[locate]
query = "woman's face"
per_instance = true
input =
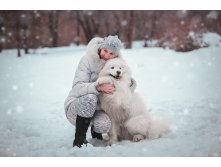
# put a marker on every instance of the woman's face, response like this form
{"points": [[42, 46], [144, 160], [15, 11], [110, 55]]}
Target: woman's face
{"points": [[106, 54]]}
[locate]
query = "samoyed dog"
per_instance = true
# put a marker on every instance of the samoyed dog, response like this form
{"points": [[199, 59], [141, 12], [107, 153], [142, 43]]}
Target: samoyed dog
{"points": [[130, 118]]}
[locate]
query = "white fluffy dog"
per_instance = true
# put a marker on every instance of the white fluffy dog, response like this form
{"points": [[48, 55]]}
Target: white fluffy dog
{"points": [[129, 116]]}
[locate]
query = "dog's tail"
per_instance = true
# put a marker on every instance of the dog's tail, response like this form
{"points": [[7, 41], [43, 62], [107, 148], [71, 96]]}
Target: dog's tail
{"points": [[158, 127]]}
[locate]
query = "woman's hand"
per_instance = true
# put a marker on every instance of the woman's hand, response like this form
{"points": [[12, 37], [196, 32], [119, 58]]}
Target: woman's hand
{"points": [[106, 88]]}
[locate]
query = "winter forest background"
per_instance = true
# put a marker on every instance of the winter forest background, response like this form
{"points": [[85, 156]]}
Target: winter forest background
{"points": [[175, 57], [176, 30]]}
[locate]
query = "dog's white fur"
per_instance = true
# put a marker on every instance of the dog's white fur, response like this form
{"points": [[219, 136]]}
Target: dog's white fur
{"points": [[129, 116]]}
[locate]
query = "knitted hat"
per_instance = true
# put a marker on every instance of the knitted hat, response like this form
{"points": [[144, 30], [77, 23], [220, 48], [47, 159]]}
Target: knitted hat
{"points": [[112, 43]]}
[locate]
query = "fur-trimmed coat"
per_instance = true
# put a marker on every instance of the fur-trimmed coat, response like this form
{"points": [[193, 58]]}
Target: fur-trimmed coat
{"points": [[87, 73]]}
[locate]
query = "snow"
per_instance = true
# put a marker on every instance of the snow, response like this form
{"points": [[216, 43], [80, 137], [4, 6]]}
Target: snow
{"points": [[205, 39], [212, 39], [212, 15], [182, 87]]}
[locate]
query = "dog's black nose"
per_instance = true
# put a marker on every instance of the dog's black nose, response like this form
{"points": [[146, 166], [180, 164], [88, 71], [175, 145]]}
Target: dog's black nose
{"points": [[118, 72]]}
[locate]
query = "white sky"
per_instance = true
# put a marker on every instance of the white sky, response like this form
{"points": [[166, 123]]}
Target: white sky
{"points": [[110, 5]]}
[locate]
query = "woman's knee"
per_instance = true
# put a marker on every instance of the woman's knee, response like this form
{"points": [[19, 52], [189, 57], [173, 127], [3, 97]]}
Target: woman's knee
{"points": [[102, 123], [71, 115], [85, 105]]}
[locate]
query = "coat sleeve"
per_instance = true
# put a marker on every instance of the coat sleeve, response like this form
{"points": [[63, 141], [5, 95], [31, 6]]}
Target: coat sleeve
{"points": [[81, 84]]}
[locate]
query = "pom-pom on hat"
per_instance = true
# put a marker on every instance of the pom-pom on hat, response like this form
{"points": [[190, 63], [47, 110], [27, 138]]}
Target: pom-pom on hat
{"points": [[112, 43]]}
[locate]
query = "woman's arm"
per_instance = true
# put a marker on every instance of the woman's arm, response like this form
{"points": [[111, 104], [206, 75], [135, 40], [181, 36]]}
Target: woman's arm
{"points": [[81, 84]]}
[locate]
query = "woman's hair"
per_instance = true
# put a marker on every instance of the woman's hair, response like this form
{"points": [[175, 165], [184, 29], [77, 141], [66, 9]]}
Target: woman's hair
{"points": [[99, 52]]}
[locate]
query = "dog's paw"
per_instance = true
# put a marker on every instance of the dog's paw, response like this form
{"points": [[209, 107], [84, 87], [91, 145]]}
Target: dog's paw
{"points": [[103, 80], [137, 138], [110, 142]]}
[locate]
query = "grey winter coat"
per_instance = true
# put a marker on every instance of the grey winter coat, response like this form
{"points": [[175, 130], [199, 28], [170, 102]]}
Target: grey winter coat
{"points": [[87, 73]]}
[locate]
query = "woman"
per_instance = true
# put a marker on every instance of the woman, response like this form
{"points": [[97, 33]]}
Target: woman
{"points": [[82, 105]]}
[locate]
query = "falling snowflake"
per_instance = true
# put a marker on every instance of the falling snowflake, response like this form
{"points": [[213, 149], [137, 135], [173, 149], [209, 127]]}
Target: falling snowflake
{"points": [[124, 23], [30, 85], [19, 109], [191, 34], [209, 64], [10, 34], [9, 112], [89, 13], [192, 65], [182, 22], [23, 16], [36, 14], [164, 78], [211, 105], [186, 111], [181, 13], [2, 39], [50, 39], [14, 87], [144, 149], [3, 28], [65, 127]]}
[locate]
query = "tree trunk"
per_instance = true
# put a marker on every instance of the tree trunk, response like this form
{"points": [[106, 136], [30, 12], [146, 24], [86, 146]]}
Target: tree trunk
{"points": [[18, 51], [90, 24], [78, 31], [25, 41], [53, 27], [130, 32], [18, 37], [145, 42], [106, 23]]}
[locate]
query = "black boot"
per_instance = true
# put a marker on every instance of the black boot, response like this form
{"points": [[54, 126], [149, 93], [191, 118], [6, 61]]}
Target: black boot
{"points": [[82, 125], [95, 134]]}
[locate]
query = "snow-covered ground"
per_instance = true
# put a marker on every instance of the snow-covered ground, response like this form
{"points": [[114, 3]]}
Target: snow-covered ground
{"points": [[183, 87]]}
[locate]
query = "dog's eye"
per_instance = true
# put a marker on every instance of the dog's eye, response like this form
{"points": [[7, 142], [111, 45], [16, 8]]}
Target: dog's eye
{"points": [[112, 67]]}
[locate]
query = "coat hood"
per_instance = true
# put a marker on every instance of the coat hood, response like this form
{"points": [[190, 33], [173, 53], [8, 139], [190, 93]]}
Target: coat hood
{"points": [[92, 47]]}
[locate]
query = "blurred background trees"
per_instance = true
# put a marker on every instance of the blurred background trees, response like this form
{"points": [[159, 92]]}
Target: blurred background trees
{"points": [[172, 29]]}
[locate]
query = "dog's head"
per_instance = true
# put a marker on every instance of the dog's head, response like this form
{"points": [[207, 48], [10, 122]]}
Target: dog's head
{"points": [[116, 68]]}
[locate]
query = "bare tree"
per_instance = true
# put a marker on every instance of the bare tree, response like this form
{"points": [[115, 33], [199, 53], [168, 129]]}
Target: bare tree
{"points": [[25, 20], [119, 23], [150, 26], [90, 23], [2, 29], [106, 20], [17, 24], [130, 29], [78, 30], [53, 26], [170, 28], [74, 15]]}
